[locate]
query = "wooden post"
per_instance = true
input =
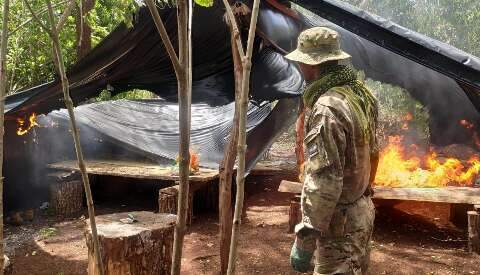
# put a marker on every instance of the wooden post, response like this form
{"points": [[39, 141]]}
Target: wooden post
{"points": [[474, 230], [247, 66], [3, 87], [294, 213], [299, 137], [53, 31], [142, 247], [168, 202], [230, 152], [183, 70]]}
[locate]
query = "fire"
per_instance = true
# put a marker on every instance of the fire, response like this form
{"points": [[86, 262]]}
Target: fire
{"points": [[397, 169], [194, 161], [23, 128], [467, 124]]}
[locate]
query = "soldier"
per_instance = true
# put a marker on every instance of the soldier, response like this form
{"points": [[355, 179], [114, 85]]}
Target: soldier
{"points": [[342, 156]]}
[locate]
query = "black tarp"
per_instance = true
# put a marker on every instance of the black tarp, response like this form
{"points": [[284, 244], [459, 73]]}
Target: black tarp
{"points": [[135, 58]]}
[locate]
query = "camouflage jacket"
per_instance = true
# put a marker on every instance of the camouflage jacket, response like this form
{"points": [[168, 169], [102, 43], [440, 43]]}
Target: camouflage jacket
{"points": [[339, 160]]}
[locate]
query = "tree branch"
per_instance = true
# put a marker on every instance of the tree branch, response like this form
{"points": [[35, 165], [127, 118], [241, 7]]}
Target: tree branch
{"points": [[164, 36], [42, 11], [65, 15], [242, 147], [3, 86], [236, 31], [37, 18]]}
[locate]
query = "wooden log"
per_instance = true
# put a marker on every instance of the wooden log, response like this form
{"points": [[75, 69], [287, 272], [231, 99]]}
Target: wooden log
{"points": [[474, 231], [143, 247], [66, 198], [294, 214], [168, 202], [290, 187], [465, 195]]}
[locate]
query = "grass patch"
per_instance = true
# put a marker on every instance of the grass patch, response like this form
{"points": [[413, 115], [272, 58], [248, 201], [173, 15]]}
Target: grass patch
{"points": [[47, 232]]}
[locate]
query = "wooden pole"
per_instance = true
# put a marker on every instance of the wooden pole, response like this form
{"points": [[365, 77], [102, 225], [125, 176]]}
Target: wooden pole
{"points": [[58, 58], [3, 87], [183, 70], [230, 154], [184, 102], [300, 135], [474, 230], [247, 66]]}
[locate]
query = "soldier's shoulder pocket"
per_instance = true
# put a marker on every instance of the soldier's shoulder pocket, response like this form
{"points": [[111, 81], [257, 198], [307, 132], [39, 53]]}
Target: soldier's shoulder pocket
{"points": [[317, 157]]}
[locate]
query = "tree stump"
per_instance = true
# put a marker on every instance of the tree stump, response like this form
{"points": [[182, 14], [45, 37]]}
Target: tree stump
{"points": [[294, 214], [474, 231], [66, 197], [168, 200], [143, 247]]}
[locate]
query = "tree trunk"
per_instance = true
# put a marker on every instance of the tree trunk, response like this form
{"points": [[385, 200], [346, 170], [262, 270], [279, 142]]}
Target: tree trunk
{"points": [[184, 82], [228, 162], [168, 202], [3, 86], [83, 30], [53, 32], [294, 213], [143, 247], [183, 71], [300, 135], [66, 197], [247, 65]]}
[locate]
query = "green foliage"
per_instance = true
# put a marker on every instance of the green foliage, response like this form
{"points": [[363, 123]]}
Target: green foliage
{"points": [[29, 58], [47, 232], [395, 106], [105, 95], [456, 22], [204, 3]]}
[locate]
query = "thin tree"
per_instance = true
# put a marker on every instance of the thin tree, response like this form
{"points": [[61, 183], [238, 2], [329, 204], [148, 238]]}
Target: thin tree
{"points": [[53, 29], [3, 86], [243, 105], [183, 69], [230, 151]]}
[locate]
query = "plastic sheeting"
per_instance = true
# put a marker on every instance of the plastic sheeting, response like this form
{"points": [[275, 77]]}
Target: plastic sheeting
{"points": [[134, 57], [151, 128]]}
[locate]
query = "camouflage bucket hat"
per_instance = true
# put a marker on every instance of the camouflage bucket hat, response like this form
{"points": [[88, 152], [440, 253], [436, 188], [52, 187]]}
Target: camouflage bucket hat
{"points": [[318, 45]]}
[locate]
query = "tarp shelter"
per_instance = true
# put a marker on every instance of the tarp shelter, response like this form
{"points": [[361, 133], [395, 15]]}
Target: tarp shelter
{"points": [[437, 74]]}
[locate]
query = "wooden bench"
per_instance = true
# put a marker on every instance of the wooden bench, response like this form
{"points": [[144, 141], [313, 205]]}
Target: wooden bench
{"points": [[452, 195]]}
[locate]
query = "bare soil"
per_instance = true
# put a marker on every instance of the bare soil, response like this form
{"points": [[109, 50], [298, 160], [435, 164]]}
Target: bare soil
{"points": [[406, 240]]}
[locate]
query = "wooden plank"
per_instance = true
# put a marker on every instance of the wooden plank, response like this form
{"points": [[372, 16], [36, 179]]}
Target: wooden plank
{"points": [[463, 195], [134, 170], [271, 168], [290, 187], [467, 195]]}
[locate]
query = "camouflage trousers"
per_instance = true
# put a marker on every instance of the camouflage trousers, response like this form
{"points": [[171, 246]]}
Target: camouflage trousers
{"points": [[346, 247]]}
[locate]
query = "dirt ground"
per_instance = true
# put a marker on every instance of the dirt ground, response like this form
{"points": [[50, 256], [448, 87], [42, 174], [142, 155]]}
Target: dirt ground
{"points": [[406, 241]]}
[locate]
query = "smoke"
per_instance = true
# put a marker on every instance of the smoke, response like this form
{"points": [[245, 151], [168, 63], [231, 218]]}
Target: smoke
{"points": [[441, 95]]}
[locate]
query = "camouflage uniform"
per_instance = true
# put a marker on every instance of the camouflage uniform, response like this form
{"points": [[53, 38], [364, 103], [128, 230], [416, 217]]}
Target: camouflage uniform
{"points": [[337, 177], [338, 213]]}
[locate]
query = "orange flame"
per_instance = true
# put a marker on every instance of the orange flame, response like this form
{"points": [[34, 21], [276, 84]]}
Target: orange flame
{"points": [[22, 128], [395, 169], [194, 161], [467, 124]]}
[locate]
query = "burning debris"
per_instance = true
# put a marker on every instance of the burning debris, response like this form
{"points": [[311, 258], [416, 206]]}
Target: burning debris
{"points": [[404, 166], [24, 126], [407, 159]]}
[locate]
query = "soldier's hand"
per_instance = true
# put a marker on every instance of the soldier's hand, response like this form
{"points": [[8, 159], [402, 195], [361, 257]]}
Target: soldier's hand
{"points": [[301, 254]]}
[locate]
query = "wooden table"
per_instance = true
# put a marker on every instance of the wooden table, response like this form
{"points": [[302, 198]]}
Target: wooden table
{"points": [[130, 169], [451, 195]]}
